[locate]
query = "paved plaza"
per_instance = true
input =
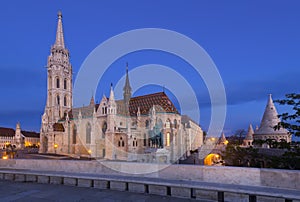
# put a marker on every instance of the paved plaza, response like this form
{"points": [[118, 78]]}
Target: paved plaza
{"points": [[13, 191]]}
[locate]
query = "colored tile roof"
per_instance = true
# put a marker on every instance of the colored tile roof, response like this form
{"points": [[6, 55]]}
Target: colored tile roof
{"points": [[160, 100]]}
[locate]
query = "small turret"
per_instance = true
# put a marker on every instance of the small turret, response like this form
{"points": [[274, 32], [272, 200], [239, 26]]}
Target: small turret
{"points": [[269, 121], [248, 141], [111, 111], [92, 101]]}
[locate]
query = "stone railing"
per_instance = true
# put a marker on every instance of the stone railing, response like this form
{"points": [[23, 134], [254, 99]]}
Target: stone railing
{"points": [[213, 183]]}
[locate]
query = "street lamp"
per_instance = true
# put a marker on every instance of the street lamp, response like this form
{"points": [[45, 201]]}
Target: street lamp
{"points": [[55, 147], [90, 153]]}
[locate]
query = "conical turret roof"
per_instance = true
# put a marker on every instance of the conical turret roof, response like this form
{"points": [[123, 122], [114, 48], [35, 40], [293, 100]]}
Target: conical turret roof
{"points": [[269, 120], [250, 133]]}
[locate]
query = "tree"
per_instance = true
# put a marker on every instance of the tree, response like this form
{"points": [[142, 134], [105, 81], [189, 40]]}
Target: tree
{"points": [[238, 137], [290, 121]]}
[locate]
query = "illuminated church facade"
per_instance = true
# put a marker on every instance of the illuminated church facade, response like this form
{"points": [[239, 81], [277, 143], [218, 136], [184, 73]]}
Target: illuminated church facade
{"points": [[145, 128]]}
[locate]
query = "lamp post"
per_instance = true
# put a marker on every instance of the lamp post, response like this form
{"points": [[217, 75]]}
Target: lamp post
{"points": [[90, 153], [55, 147]]}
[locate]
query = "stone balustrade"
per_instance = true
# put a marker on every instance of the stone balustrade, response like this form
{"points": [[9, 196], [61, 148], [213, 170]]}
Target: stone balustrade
{"points": [[187, 181]]}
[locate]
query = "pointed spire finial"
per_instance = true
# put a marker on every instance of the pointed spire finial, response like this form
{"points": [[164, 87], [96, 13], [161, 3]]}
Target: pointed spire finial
{"points": [[92, 101], [59, 14], [127, 88], [59, 41], [18, 125], [111, 94]]}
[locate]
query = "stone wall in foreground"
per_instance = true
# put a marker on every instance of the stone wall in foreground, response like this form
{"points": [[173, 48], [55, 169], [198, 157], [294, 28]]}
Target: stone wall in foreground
{"points": [[227, 175]]}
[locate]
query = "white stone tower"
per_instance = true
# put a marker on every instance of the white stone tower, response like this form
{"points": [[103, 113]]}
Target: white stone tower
{"points": [[18, 137], [59, 95], [59, 87], [269, 121], [248, 141]]}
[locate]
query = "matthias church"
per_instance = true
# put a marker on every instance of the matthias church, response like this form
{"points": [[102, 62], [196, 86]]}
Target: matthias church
{"points": [[145, 128]]}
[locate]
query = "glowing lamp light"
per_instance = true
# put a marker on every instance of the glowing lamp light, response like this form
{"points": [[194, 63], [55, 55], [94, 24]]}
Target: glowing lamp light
{"points": [[89, 151], [5, 157], [55, 146]]}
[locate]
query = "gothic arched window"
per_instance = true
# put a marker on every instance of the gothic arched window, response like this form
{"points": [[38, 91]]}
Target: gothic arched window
{"points": [[88, 133], [74, 134], [58, 100], [104, 128], [175, 123], [65, 101], [121, 142], [168, 124], [65, 84], [147, 123], [57, 82], [134, 143]]}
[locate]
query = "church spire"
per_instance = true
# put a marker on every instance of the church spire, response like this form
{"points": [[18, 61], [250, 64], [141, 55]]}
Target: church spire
{"points": [[59, 41], [127, 92], [111, 94], [127, 88], [92, 101]]}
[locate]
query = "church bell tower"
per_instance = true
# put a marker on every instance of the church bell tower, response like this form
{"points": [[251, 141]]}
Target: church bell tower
{"points": [[59, 69]]}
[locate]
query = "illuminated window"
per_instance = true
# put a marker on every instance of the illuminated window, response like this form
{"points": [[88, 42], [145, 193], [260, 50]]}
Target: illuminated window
{"points": [[168, 139]]}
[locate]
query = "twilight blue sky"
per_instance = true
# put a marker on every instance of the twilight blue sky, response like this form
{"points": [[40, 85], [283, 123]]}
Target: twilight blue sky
{"points": [[254, 44]]}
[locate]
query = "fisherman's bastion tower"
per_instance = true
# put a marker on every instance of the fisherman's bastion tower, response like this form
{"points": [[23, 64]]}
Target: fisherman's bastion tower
{"points": [[269, 120], [145, 128]]}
